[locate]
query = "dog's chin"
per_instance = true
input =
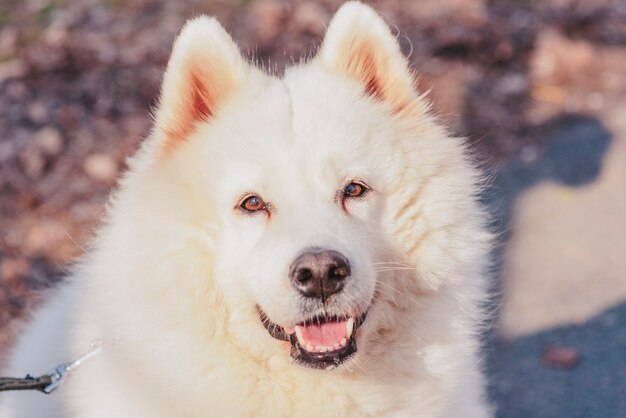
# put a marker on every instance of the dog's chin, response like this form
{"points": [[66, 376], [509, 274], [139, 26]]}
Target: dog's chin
{"points": [[321, 342]]}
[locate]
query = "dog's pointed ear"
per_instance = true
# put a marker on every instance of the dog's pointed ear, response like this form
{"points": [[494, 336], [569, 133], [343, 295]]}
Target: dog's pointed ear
{"points": [[359, 44], [204, 68]]}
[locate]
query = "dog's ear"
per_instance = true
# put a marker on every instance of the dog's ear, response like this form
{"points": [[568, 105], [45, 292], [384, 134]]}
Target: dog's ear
{"points": [[204, 68], [359, 44]]}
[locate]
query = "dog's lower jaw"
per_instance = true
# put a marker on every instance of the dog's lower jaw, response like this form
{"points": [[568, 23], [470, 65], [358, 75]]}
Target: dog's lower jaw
{"points": [[323, 361], [323, 343]]}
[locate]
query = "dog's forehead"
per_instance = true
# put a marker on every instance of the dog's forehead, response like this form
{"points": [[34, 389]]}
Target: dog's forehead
{"points": [[326, 110], [305, 113], [309, 127]]}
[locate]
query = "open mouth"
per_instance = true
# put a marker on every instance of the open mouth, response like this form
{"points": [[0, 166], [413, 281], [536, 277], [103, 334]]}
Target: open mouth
{"points": [[321, 342]]}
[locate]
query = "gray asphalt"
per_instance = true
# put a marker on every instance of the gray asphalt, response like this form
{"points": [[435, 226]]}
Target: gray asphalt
{"points": [[522, 386]]}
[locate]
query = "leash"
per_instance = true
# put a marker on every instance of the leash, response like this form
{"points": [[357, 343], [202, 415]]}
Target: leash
{"points": [[28, 383], [50, 381]]}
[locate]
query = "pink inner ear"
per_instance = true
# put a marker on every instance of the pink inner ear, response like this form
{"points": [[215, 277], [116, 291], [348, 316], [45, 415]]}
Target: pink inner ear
{"points": [[362, 65], [200, 100], [195, 109], [370, 77], [369, 71]]}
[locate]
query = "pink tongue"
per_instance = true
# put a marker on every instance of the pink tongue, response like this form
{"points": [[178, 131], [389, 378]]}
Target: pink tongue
{"points": [[328, 334]]}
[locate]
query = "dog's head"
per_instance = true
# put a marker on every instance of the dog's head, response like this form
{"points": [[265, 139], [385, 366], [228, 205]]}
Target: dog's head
{"points": [[308, 186]]}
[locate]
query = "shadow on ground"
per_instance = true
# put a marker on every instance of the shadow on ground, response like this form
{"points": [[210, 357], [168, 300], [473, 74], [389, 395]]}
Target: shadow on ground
{"points": [[573, 155], [523, 386]]}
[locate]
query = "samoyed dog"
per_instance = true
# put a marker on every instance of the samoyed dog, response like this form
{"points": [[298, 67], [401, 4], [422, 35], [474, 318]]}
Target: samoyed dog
{"points": [[308, 245]]}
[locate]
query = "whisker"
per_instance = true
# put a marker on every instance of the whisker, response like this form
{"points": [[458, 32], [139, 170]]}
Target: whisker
{"points": [[396, 263], [385, 269], [389, 287]]}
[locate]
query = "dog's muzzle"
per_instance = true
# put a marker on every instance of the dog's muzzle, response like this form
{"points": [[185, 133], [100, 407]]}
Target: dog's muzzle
{"points": [[322, 341]]}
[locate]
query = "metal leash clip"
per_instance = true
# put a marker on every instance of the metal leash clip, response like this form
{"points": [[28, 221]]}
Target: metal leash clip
{"points": [[60, 372], [57, 375]]}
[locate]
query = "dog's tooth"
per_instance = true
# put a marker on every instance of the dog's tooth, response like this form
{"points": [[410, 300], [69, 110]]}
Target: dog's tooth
{"points": [[308, 347], [337, 346], [349, 327], [299, 336], [343, 342]]}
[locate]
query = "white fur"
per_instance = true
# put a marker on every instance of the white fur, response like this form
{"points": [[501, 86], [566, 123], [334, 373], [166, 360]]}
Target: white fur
{"points": [[176, 272]]}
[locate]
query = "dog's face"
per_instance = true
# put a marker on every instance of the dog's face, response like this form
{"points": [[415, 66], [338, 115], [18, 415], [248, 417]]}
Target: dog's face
{"points": [[296, 173], [300, 197]]}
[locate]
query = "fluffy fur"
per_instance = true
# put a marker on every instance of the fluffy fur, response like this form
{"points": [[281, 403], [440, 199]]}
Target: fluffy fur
{"points": [[173, 281]]}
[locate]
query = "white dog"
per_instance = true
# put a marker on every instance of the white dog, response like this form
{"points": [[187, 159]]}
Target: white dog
{"points": [[309, 246]]}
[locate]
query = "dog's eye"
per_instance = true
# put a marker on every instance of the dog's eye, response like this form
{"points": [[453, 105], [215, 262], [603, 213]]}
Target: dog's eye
{"points": [[252, 204], [354, 189]]}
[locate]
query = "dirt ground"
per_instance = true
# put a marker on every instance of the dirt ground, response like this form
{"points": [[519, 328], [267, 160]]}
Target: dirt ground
{"points": [[78, 79]]}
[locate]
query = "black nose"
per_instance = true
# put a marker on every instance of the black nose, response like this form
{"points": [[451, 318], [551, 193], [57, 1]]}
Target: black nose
{"points": [[319, 273]]}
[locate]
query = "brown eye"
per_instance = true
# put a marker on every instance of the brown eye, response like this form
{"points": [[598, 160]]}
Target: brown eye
{"points": [[354, 190], [253, 204]]}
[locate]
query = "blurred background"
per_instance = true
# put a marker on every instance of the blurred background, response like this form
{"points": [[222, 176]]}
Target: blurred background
{"points": [[538, 87]]}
